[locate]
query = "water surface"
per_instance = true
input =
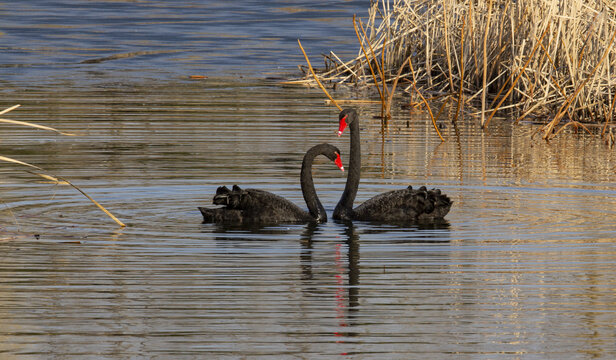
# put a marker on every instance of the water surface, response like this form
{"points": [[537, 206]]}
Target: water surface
{"points": [[76, 43]]}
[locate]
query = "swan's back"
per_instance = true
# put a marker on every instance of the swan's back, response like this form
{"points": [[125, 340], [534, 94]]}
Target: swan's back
{"points": [[252, 206], [405, 205]]}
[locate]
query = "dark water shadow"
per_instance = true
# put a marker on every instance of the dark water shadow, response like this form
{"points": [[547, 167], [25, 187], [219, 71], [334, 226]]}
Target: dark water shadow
{"points": [[422, 232], [249, 228], [413, 226]]}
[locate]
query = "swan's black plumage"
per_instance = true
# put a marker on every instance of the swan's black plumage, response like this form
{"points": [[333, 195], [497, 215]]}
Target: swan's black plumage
{"points": [[405, 205], [254, 206]]}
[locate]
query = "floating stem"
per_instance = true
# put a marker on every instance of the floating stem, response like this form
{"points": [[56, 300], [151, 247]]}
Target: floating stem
{"points": [[57, 180], [316, 78]]}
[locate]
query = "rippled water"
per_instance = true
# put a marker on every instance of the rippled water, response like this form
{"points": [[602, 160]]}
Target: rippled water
{"points": [[522, 269], [76, 43]]}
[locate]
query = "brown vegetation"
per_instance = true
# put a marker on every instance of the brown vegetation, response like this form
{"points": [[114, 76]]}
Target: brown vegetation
{"points": [[548, 59]]}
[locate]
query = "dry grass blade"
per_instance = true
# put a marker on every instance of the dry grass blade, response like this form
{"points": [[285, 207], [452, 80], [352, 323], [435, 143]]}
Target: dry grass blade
{"points": [[390, 99], [9, 109], [57, 180], [94, 201], [379, 68], [573, 123], [455, 118], [361, 43], [485, 65], [353, 102], [316, 78], [42, 127], [50, 178], [425, 102], [447, 50], [14, 161]]}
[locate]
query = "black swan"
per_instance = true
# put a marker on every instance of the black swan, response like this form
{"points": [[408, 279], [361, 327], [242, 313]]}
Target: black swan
{"points": [[400, 206], [253, 206]]}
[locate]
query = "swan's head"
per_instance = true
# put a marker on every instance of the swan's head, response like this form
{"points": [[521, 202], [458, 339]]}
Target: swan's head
{"points": [[325, 149], [333, 154], [346, 117], [338, 162]]}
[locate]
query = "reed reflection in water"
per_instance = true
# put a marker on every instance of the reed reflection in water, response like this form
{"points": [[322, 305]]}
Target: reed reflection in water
{"points": [[522, 268]]}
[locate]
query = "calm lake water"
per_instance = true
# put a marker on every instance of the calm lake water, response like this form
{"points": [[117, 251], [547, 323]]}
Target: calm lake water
{"points": [[524, 267]]}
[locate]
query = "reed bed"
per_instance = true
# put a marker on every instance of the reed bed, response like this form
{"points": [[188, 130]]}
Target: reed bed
{"points": [[553, 60]]}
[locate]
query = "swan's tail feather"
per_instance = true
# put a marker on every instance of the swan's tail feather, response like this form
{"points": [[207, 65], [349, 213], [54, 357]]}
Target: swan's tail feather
{"points": [[222, 196], [441, 203], [230, 198], [432, 202], [222, 190]]}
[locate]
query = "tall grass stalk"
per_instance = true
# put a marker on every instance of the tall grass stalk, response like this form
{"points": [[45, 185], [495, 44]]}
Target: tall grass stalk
{"points": [[61, 180], [23, 123], [54, 178]]}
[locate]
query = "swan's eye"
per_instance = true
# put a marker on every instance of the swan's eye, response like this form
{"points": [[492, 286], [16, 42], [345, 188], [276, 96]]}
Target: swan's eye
{"points": [[343, 124], [338, 162]]}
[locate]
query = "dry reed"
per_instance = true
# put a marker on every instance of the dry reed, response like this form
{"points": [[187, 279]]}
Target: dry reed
{"points": [[546, 59], [23, 123], [316, 78], [57, 179]]}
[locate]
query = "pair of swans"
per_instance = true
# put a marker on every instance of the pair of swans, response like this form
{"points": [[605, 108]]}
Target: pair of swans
{"points": [[398, 206]]}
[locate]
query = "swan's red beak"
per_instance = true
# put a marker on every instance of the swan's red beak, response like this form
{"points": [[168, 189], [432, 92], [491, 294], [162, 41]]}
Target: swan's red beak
{"points": [[343, 125], [339, 162]]}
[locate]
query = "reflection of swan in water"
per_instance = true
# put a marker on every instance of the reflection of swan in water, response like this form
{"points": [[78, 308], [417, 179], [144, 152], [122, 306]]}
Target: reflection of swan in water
{"points": [[351, 288], [348, 280], [412, 234], [352, 242], [305, 255]]}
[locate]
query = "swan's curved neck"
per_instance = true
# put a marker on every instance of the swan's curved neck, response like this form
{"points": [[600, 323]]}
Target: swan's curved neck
{"points": [[345, 206], [315, 208]]}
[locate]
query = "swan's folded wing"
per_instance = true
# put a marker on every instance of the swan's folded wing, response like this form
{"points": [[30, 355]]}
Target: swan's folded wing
{"points": [[405, 205], [266, 207]]}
